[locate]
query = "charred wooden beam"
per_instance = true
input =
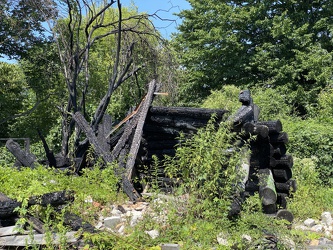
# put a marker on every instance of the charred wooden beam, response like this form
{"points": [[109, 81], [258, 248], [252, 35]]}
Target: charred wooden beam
{"points": [[274, 127], [25, 158], [49, 154], [261, 131], [282, 174], [280, 149], [53, 198], [285, 161], [99, 149], [139, 130], [103, 130], [196, 113], [279, 138]]}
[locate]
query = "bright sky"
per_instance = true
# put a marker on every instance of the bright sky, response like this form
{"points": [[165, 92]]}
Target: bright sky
{"points": [[164, 9]]}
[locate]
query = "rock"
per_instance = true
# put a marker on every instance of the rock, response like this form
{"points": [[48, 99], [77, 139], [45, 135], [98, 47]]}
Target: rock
{"points": [[326, 218], [247, 238], [309, 222], [153, 233], [317, 228], [170, 247], [222, 239], [112, 222], [301, 227], [136, 216]]}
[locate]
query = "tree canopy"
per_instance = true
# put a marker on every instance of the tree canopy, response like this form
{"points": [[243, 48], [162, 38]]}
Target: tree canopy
{"points": [[266, 43], [22, 25]]}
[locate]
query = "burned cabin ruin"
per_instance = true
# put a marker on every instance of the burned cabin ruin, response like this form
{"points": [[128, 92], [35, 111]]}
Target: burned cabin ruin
{"points": [[150, 130]]}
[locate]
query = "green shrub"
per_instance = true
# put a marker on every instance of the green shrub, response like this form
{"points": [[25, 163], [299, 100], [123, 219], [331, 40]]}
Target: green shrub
{"points": [[226, 98], [272, 103], [310, 192], [312, 139], [208, 169]]}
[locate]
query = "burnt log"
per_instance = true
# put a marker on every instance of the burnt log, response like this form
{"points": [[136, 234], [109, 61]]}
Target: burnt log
{"points": [[49, 154], [25, 158], [279, 150], [267, 192], [195, 113], [139, 130], [286, 187], [274, 127], [282, 174], [285, 161], [254, 129], [36, 224], [177, 122], [269, 209], [285, 214], [75, 222], [53, 198], [263, 162], [103, 131], [99, 149], [243, 115], [282, 200], [279, 138]]}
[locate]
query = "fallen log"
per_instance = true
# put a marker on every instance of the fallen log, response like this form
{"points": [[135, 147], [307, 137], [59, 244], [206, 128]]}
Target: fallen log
{"points": [[25, 158], [53, 198]]}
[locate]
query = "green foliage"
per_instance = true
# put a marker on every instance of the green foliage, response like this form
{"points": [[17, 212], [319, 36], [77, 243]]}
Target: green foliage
{"points": [[311, 193], [257, 43], [312, 139], [226, 98], [273, 103], [207, 169], [22, 25], [13, 92]]}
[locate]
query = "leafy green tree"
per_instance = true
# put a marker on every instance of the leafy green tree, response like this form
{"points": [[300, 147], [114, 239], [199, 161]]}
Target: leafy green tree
{"points": [[266, 43], [13, 92], [22, 25]]}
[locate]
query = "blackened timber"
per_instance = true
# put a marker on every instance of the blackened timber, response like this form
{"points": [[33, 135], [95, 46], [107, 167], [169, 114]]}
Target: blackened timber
{"points": [[139, 130], [286, 187], [279, 138], [196, 113], [84, 125], [104, 129], [254, 129], [36, 224], [285, 214], [279, 149], [49, 154], [282, 174], [243, 115], [167, 131], [177, 122], [269, 209], [75, 223], [285, 161], [53, 198], [274, 127], [7, 206], [282, 200], [25, 158]]}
